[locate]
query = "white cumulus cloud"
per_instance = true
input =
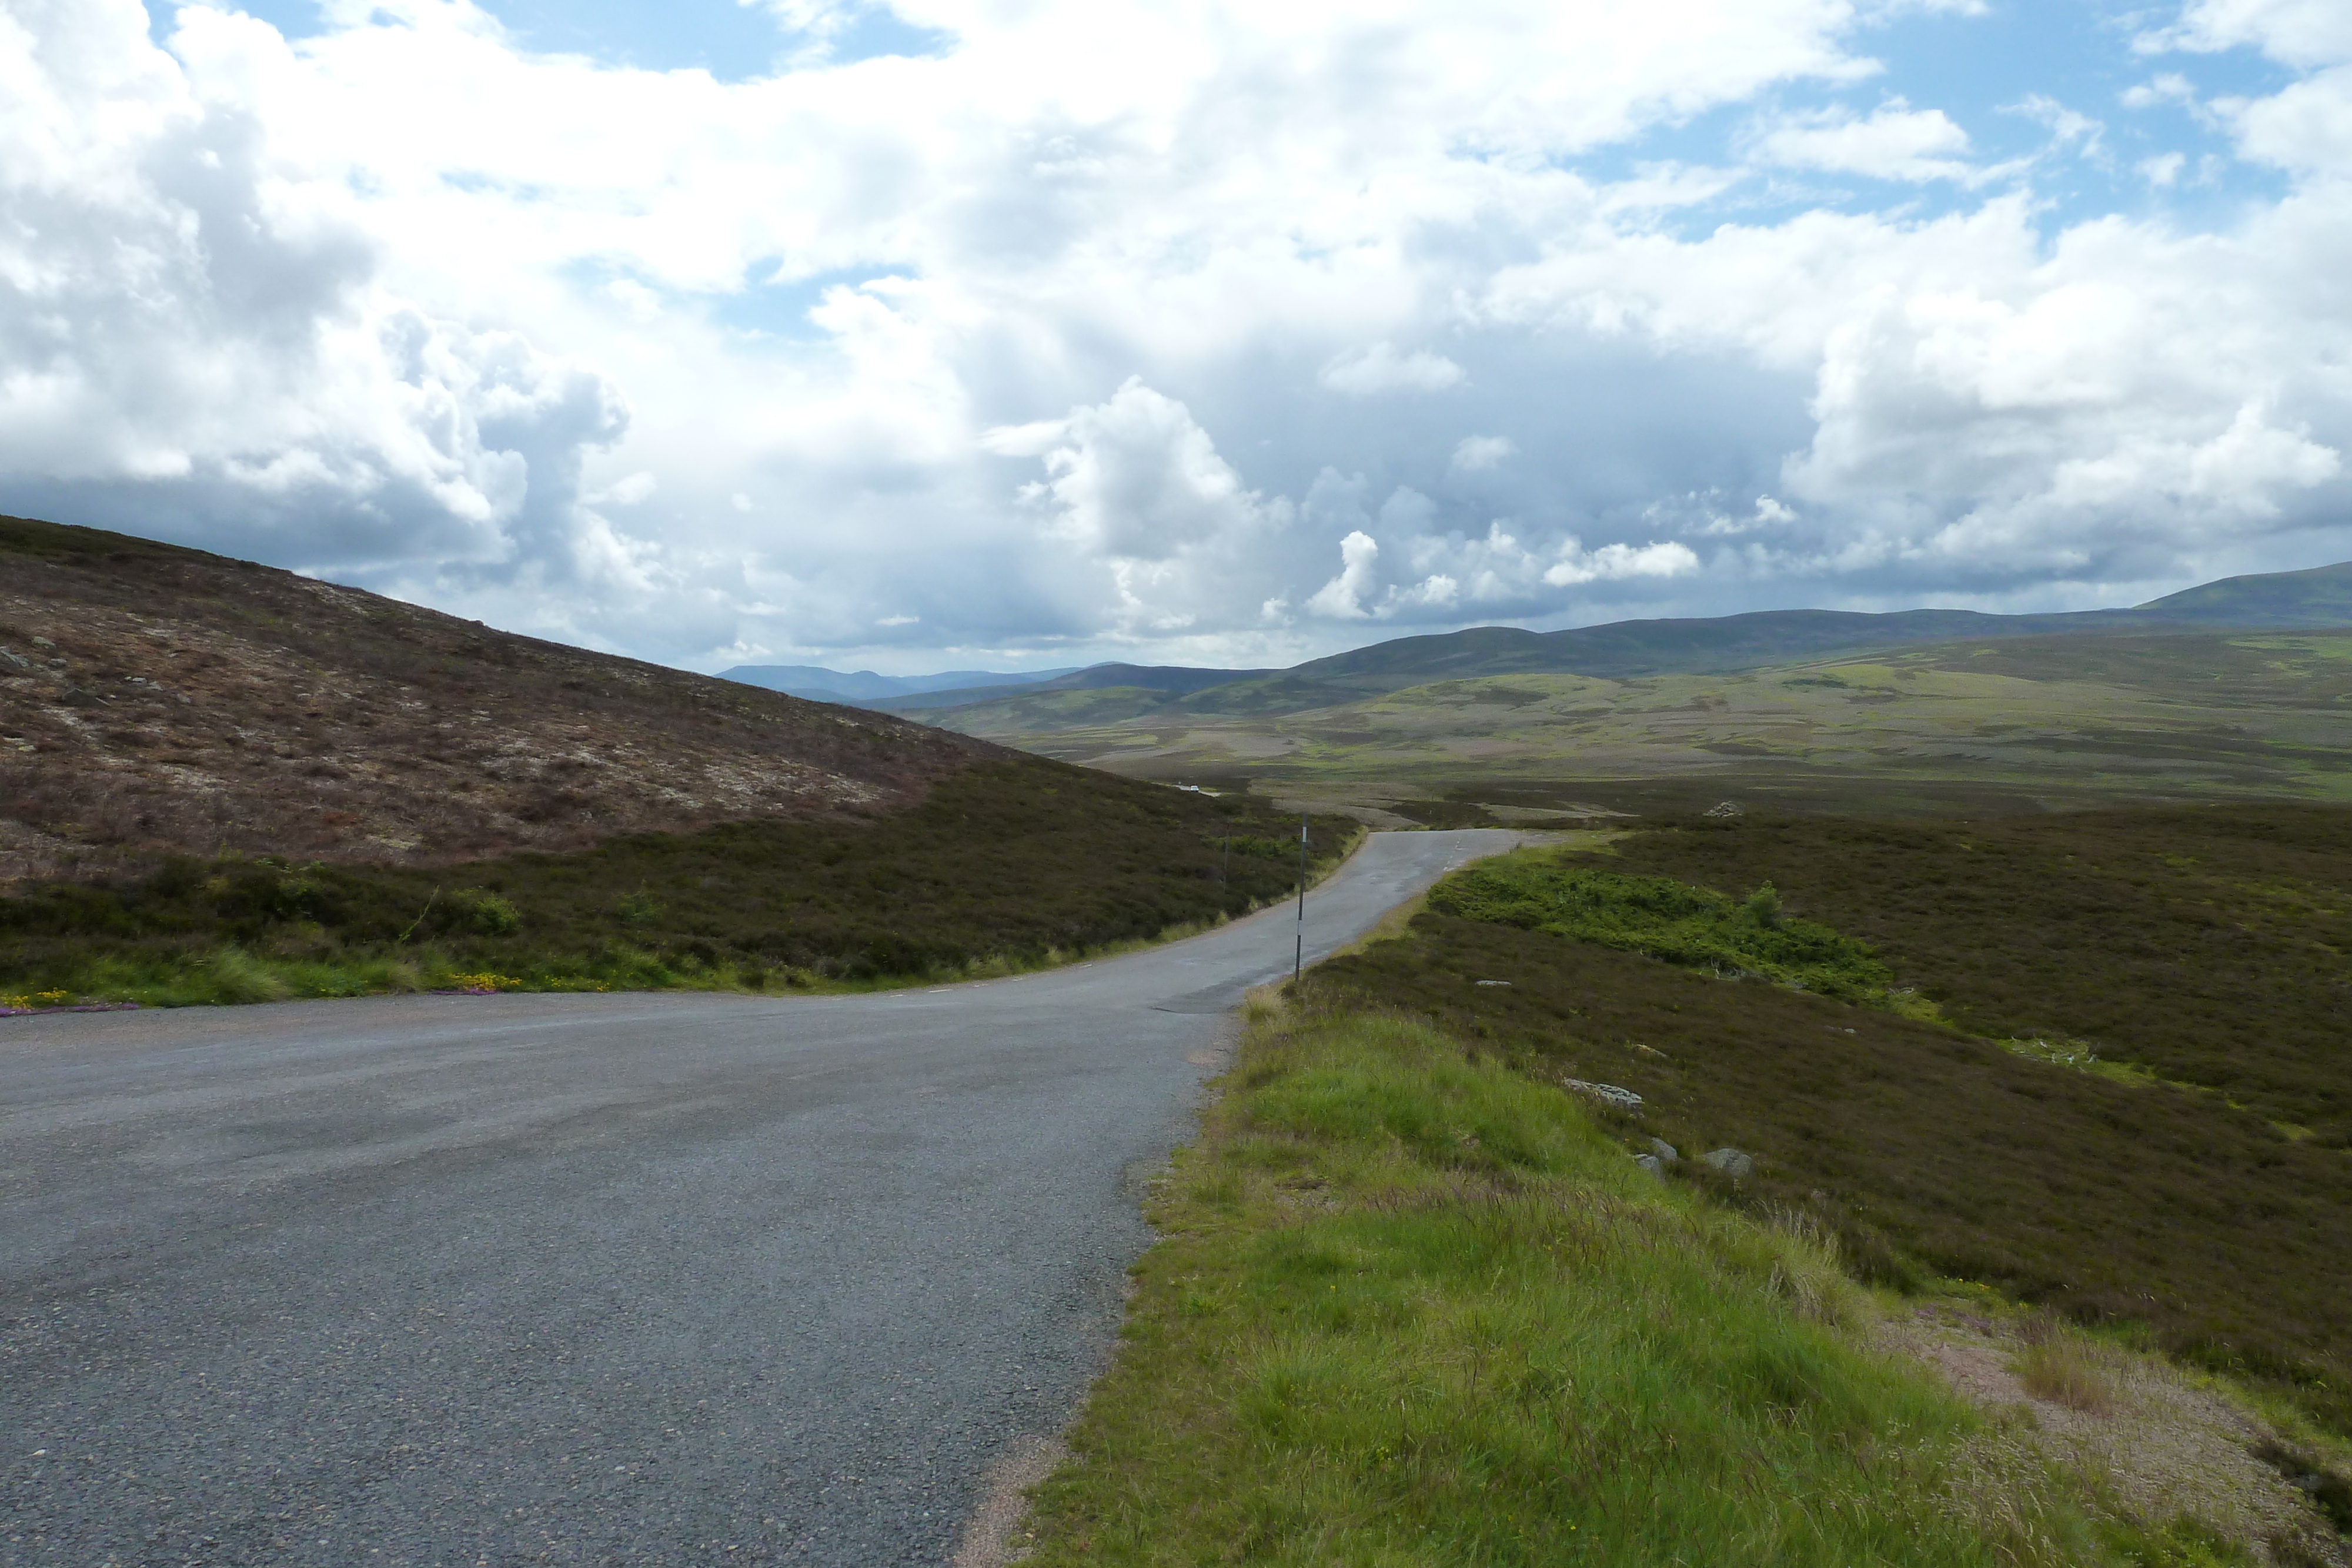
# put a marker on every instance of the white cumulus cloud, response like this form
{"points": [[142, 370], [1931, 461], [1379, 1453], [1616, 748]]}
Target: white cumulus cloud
{"points": [[1381, 369], [1135, 477], [1475, 454], [1895, 141], [1577, 565], [189, 333], [1343, 597], [1108, 329], [2298, 32]]}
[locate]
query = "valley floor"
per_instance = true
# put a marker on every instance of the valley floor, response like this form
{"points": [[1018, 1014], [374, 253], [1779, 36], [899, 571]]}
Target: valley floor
{"points": [[2024, 723]]}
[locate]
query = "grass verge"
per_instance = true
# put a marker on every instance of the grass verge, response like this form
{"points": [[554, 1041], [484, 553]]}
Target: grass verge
{"points": [[1414, 1307]]}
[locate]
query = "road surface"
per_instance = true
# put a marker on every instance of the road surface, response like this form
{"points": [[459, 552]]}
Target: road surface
{"points": [[634, 1279]]}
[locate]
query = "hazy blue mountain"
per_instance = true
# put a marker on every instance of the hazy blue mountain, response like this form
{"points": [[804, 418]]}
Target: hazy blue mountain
{"points": [[821, 685], [1174, 680]]}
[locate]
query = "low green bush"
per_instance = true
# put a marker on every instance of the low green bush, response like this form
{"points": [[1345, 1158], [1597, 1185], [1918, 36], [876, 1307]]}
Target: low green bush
{"points": [[1659, 917], [479, 912]]}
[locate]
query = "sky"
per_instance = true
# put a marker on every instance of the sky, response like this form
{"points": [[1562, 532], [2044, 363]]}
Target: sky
{"points": [[1023, 333]]}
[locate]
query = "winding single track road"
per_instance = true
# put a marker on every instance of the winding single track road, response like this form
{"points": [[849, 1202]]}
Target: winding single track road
{"points": [[636, 1278]]}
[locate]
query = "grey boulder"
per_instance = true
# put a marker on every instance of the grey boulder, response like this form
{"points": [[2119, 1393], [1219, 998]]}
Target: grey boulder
{"points": [[1608, 1093]]}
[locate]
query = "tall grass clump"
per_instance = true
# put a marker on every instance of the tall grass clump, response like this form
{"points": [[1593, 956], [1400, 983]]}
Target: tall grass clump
{"points": [[233, 974], [2065, 1370], [1414, 1308]]}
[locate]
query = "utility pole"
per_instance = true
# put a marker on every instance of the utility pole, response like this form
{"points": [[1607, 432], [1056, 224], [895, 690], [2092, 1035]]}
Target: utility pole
{"points": [[1298, 959]]}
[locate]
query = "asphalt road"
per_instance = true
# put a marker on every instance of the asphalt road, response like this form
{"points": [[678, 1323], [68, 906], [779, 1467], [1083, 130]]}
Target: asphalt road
{"points": [[637, 1279]]}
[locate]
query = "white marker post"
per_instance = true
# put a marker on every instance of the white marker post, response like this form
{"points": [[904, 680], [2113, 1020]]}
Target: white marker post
{"points": [[1298, 959]]}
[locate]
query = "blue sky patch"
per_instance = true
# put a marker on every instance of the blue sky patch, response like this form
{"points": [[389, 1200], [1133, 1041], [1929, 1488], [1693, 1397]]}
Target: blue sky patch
{"points": [[730, 41], [2055, 99]]}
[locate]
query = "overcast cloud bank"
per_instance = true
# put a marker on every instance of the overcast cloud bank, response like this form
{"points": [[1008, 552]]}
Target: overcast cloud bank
{"points": [[1216, 334]]}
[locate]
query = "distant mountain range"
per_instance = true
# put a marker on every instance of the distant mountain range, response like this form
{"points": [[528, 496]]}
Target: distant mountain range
{"points": [[1171, 680], [2320, 596]]}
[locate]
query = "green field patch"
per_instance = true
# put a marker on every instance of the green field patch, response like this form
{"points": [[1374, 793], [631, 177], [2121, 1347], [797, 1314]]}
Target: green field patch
{"points": [[1659, 917], [2319, 646], [1508, 692]]}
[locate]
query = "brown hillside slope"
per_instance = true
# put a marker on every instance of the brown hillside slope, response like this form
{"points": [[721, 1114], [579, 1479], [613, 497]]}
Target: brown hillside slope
{"points": [[156, 700]]}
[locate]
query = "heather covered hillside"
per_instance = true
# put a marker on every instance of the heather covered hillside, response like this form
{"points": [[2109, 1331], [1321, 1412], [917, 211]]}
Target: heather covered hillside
{"points": [[159, 700], [227, 783]]}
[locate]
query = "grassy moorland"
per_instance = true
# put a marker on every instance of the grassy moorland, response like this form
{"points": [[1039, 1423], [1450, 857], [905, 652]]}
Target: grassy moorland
{"points": [[2205, 945], [1003, 866], [2217, 1220], [1749, 937], [1414, 1306]]}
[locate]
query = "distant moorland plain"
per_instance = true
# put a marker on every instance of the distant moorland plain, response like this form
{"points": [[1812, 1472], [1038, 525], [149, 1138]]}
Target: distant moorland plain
{"points": [[2014, 722]]}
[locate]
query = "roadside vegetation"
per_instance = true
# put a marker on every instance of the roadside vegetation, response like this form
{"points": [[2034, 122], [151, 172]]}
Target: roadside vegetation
{"points": [[1004, 866], [1415, 1305], [1972, 1303], [1927, 1151]]}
